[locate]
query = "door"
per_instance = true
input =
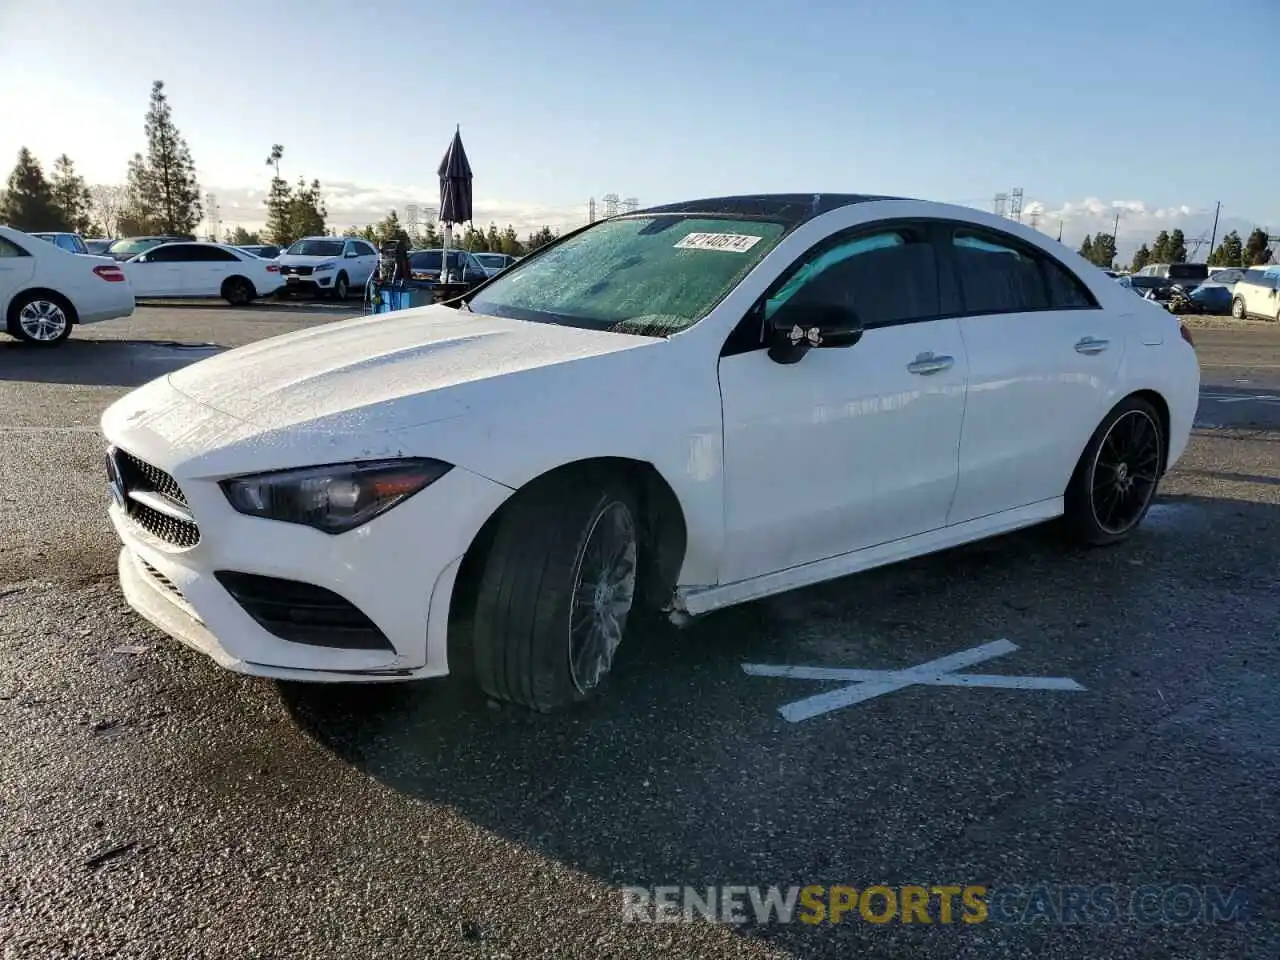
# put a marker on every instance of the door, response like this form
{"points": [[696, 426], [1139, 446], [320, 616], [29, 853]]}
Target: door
{"points": [[1260, 296], [360, 268], [155, 273], [16, 269], [1042, 358], [210, 267], [851, 446]]}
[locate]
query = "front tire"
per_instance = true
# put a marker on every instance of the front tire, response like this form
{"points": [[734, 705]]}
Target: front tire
{"points": [[557, 587], [1115, 480], [40, 319], [341, 287], [1237, 308]]}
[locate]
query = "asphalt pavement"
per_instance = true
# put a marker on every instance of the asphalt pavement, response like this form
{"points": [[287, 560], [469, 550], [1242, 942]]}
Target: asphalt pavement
{"points": [[153, 805]]}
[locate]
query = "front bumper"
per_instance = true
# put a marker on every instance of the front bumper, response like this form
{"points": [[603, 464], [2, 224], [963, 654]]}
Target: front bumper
{"points": [[310, 284], [398, 571]]}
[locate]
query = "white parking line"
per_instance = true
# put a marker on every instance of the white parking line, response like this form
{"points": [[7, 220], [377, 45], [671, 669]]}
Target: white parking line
{"points": [[76, 429], [868, 684]]}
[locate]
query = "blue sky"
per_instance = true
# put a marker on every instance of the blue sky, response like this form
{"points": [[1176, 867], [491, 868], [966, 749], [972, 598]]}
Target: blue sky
{"points": [[1077, 103]]}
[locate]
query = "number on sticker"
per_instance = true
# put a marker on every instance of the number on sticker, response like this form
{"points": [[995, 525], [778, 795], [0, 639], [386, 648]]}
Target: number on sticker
{"points": [[733, 242]]}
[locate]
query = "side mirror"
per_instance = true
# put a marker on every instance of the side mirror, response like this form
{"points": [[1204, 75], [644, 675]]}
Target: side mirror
{"points": [[794, 331]]}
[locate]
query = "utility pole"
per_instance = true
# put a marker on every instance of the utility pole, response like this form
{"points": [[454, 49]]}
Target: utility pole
{"points": [[1214, 235], [1059, 231]]}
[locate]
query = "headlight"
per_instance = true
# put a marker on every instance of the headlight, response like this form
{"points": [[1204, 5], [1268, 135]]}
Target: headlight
{"points": [[325, 266], [333, 498]]}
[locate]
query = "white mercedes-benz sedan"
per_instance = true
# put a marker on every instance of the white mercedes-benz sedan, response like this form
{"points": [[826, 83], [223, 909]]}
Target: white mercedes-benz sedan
{"points": [[674, 410]]}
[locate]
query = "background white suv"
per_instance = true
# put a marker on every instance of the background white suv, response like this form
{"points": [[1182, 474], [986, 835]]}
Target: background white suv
{"points": [[1257, 294], [328, 265]]}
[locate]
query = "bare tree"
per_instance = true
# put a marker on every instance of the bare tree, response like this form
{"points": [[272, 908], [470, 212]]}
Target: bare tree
{"points": [[107, 202]]}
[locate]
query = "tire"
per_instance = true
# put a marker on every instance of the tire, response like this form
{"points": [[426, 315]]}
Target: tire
{"points": [[341, 287], [1115, 480], [543, 550], [1237, 308], [40, 319], [238, 291]]}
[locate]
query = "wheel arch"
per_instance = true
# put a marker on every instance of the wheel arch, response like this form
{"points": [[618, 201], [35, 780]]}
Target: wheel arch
{"points": [[56, 295], [1157, 400], [664, 528], [253, 287]]}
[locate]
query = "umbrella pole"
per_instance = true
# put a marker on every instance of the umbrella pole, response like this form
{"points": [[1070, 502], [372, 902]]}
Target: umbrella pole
{"points": [[444, 257]]}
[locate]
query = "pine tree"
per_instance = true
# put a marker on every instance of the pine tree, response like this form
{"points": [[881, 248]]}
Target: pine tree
{"points": [[1141, 257], [28, 199], [170, 186], [511, 244], [1256, 252], [138, 216], [71, 196], [390, 229], [1086, 248], [1177, 252], [1230, 252], [1104, 250], [1160, 251], [307, 211], [279, 227]]}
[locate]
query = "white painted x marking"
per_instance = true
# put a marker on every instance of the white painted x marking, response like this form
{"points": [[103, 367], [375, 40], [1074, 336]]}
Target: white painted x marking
{"points": [[867, 684]]}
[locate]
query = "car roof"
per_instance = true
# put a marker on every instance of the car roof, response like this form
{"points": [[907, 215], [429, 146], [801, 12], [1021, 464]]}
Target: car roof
{"points": [[792, 209]]}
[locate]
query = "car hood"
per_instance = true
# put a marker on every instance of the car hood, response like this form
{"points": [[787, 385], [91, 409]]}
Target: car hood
{"points": [[298, 260], [392, 371]]}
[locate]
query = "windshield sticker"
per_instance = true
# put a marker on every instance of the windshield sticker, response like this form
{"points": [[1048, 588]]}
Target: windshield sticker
{"points": [[733, 242]]}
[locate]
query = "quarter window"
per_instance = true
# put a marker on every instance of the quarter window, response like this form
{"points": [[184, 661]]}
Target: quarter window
{"points": [[1066, 291], [886, 277], [10, 249]]}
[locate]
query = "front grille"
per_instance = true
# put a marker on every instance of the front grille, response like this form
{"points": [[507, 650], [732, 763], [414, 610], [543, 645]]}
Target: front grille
{"points": [[303, 612], [297, 271], [140, 481], [162, 580]]}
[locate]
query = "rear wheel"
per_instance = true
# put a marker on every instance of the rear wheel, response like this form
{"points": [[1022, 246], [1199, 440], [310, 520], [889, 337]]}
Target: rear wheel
{"points": [[1115, 480], [238, 291], [1237, 308], [557, 588], [40, 319]]}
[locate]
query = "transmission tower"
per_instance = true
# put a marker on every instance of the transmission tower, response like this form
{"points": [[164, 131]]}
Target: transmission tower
{"points": [[412, 218], [1015, 204], [630, 205], [610, 205], [1000, 203], [211, 213], [1035, 219]]}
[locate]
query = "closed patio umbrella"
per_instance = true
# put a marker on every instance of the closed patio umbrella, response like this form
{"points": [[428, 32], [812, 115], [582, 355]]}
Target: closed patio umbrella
{"points": [[455, 192]]}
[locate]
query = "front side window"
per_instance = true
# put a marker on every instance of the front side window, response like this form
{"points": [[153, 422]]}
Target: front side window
{"points": [[886, 277], [996, 277], [651, 275]]}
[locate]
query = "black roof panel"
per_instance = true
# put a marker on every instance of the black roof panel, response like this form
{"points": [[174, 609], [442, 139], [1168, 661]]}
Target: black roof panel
{"points": [[791, 209]]}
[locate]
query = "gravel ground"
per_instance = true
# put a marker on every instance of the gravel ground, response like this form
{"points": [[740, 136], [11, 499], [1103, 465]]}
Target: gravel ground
{"points": [[152, 805]]}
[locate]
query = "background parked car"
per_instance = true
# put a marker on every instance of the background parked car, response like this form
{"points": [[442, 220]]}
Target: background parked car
{"points": [[129, 247], [328, 265], [98, 245], [1184, 273], [267, 251], [202, 269], [424, 265], [494, 263], [70, 242], [1257, 294], [45, 290]]}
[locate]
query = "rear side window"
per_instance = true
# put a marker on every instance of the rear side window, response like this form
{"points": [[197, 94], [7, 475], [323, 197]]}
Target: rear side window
{"points": [[10, 249], [1066, 290], [996, 277], [213, 254], [886, 277], [1188, 271]]}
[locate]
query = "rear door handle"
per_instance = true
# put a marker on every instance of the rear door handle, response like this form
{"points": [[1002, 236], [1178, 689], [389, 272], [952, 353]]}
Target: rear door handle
{"points": [[927, 363], [1091, 345]]}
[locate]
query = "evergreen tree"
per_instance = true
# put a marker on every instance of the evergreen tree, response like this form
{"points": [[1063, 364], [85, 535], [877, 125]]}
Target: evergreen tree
{"points": [[28, 199], [1230, 252], [511, 244], [540, 238], [390, 229], [430, 235], [1104, 250], [138, 216], [1086, 248], [306, 211], [493, 239], [1141, 257], [1256, 251], [1160, 250], [170, 187], [72, 197], [1177, 252]]}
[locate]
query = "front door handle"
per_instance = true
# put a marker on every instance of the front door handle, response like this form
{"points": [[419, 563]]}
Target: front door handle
{"points": [[1091, 345], [927, 363]]}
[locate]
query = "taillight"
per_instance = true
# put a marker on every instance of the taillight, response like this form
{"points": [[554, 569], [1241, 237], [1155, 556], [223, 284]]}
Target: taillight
{"points": [[1186, 335], [273, 268], [111, 274]]}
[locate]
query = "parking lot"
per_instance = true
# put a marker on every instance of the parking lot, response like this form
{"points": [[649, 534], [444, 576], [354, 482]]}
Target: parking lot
{"points": [[152, 804]]}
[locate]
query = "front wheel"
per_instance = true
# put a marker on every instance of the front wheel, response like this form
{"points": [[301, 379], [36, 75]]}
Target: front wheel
{"points": [[1237, 308], [1116, 477], [557, 587], [238, 291], [341, 287]]}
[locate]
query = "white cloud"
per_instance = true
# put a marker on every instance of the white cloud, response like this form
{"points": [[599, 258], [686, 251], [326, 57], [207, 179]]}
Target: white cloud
{"points": [[358, 204]]}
